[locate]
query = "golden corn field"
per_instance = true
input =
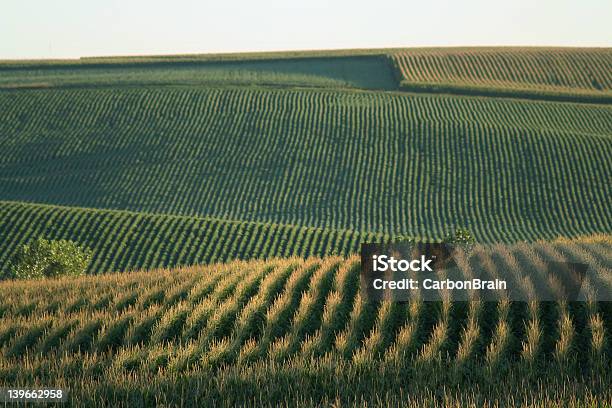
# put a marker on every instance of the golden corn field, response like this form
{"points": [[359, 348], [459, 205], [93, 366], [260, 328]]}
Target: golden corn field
{"points": [[292, 314]]}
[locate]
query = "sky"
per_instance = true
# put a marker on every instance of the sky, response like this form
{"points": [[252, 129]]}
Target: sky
{"points": [[33, 29]]}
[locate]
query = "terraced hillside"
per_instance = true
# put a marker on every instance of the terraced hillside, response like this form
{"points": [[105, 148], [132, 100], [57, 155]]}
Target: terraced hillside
{"points": [[362, 161], [297, 331], [551, 73]]}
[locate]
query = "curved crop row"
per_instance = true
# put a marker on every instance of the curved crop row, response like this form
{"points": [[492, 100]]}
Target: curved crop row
{"points": [[284, 309], [362, 161], [297, 316], [572, 74], [124, 241]]}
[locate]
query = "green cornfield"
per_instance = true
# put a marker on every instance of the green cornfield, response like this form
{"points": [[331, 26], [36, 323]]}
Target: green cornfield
{"points": [[349, 71], [347, 160], [123, 240], [548, 73]]}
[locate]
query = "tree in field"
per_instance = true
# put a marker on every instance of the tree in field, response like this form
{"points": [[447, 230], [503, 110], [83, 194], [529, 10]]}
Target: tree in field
{"points": [[461, 237], [49, 259]]}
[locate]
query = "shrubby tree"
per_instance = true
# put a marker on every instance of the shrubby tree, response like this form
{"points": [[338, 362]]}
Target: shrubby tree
{"points": [[49, 259], [461, 237]]}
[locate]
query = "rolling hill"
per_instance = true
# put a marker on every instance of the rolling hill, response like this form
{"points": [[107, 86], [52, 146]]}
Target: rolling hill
{"points": [[270, 170], [319, 140], [363, 161], [124, 240]]}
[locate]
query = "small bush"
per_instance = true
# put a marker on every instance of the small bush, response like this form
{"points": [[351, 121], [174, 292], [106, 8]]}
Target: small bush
{"points": [[49, 259], [462, 237]]}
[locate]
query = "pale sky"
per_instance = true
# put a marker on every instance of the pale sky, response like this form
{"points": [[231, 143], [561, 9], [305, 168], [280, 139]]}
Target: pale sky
{"points": [[74, 28]]}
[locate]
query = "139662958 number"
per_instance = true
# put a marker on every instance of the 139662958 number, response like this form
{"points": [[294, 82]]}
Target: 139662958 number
{"points": [[38, 394]]}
